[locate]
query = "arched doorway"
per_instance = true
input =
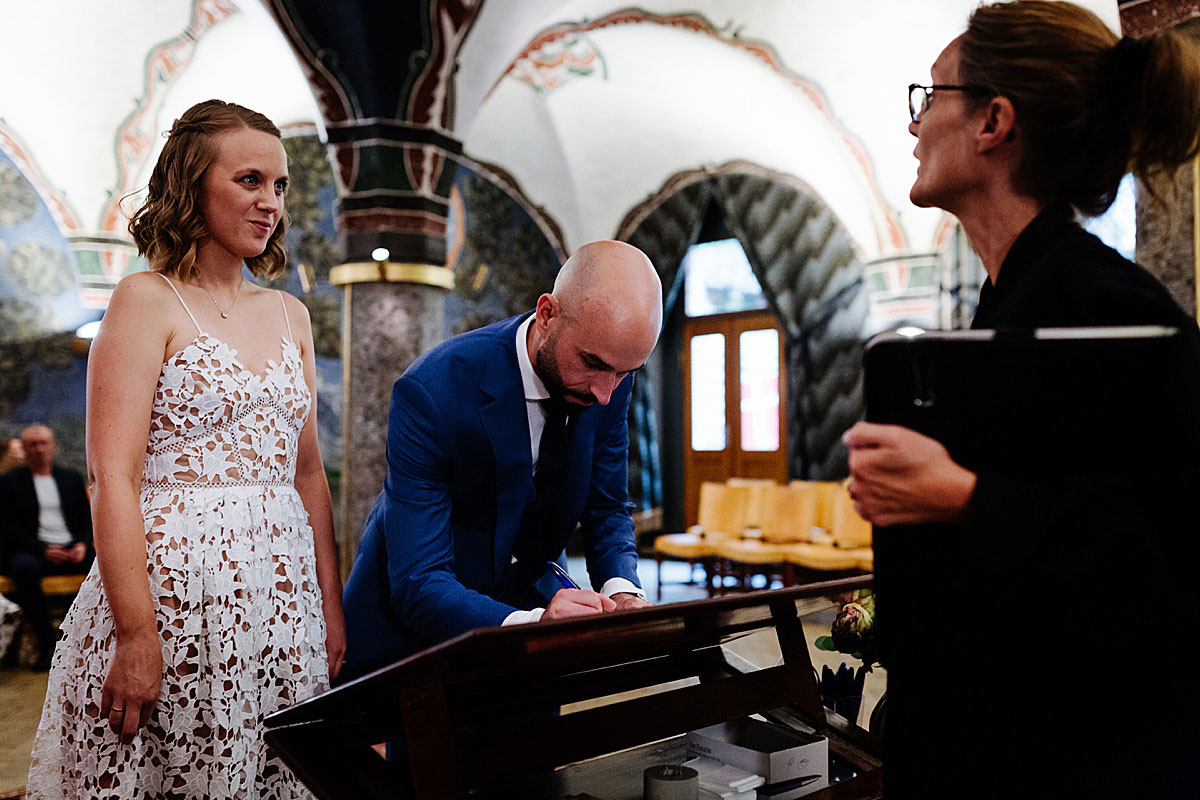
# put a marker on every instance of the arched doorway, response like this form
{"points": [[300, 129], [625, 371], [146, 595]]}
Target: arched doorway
{"points": [[811, 276]]}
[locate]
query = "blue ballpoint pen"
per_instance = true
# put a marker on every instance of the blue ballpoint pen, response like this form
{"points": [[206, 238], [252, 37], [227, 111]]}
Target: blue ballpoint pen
{"points": [[562, 575]]}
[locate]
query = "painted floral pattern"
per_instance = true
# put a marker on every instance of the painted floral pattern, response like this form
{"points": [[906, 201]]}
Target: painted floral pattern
{"points": [[41, 270], [232, 575], [18, 202]]}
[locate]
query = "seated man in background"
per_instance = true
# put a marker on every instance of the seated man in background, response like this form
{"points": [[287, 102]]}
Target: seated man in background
{"points": [[500, 442], [45, 529]]}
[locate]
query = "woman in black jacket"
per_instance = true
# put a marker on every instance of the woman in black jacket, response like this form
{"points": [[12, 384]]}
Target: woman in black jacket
{"points": [[1031, 679]]}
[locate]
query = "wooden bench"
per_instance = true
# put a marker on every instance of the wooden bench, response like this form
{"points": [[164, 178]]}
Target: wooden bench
{"points": [[52, 585]]}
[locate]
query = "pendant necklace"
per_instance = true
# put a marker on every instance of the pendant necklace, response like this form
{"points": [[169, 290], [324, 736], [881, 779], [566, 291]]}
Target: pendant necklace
{"points": [[225, 313]]}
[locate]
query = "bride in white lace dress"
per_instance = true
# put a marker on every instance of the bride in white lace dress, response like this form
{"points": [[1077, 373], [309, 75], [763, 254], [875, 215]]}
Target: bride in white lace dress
{"points": [[215, 598]]}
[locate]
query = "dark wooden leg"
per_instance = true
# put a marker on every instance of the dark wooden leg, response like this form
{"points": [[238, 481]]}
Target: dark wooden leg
{"points": [[659, 559], [437, 768]]}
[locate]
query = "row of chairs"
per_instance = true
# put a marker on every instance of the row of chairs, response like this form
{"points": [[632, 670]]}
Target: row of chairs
{"points": [[806, 530]]}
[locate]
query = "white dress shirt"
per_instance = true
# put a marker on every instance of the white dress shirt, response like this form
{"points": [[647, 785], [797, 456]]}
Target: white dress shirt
{"points": [[535, 393]]}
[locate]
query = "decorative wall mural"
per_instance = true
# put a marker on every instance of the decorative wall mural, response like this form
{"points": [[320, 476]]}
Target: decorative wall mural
{"points": [[42, 377], [557, 62], [18, 201], [41, 270], [313, 250], [21, 320], [39, 278], [889, 233], [136, 138], [504, 261]]}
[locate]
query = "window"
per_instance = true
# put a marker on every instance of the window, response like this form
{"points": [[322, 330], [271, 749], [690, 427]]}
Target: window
{"points": [[718, 280]]}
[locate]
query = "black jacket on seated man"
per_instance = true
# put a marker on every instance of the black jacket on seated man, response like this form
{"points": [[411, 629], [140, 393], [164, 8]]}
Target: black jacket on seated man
{"points": [[20, 512], [24, 554]]}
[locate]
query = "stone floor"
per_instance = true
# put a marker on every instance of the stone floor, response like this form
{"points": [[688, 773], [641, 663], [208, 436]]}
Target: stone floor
{"points": [[21, 694], [22, 691]]}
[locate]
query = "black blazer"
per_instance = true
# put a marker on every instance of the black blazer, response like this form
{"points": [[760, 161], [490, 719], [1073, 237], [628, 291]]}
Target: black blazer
{"points": [[19, 510]]}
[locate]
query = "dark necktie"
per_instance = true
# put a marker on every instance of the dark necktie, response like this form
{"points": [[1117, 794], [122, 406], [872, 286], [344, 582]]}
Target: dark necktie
{"points": [[552, 456], [531, 545]]}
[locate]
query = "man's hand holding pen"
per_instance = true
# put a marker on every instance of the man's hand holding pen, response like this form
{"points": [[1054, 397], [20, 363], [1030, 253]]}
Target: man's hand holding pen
{"points": [[577, 603], [571, 601]]}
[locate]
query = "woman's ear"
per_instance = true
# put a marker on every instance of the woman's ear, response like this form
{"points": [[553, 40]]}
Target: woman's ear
{"points": [[997, 125]]}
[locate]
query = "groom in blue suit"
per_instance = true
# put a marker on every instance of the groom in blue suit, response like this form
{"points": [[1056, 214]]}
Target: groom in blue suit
{"points": [[500, 442]]}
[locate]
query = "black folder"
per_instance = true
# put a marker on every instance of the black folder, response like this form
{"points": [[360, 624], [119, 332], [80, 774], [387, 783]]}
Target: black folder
{"points": [[1033, 402]]}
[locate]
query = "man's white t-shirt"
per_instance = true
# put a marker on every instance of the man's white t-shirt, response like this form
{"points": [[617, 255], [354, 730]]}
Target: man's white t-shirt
{"points": [[52, 526]]}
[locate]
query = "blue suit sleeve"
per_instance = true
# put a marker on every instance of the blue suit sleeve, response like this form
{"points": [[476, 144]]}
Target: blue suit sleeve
{"points": [[607, 522], [425, 592]]}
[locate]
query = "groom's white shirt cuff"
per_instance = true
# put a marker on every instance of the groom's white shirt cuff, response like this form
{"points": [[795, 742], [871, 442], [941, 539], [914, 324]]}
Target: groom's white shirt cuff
{"points": [[611, 586]]}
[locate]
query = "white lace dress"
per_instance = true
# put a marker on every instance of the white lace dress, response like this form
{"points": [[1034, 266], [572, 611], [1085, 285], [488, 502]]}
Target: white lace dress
{"points": [[233, 581]]}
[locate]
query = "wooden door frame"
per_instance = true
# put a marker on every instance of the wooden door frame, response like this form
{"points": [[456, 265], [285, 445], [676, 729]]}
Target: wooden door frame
{"points": [[735, 460]]}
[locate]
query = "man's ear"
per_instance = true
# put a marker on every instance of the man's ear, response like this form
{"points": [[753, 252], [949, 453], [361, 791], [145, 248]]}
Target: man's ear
{"points": [[997, 125], [546, 310]]}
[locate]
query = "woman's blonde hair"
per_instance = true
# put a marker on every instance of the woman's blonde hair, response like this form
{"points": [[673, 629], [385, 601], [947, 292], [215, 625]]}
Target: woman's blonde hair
{"points": [[1090, 107], [169, 227]]}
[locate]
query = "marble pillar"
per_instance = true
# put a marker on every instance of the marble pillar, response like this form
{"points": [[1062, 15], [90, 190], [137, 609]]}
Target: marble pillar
{"points": [[1166, 243], [1166, 239], [386, 326]]}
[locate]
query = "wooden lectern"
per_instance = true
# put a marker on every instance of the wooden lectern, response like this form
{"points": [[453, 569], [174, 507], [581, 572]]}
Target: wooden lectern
{"points": [[479, 714]]}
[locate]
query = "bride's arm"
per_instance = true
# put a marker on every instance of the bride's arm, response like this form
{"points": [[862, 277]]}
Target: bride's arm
{"points": [[313, 489], [123, 367]]}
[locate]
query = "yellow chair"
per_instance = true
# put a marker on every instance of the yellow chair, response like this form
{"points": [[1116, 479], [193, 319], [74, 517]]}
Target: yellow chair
{"points": [[849, 546], [754, 503], [52, 585], [848, 529], [788, 513], [722, 515]]}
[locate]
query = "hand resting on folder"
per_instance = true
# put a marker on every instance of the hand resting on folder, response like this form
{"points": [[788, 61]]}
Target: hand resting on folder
{"points": [[901, 477]]}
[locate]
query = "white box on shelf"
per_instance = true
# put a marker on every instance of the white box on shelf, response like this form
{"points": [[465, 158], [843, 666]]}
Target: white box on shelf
{"points": [[778, 754]]}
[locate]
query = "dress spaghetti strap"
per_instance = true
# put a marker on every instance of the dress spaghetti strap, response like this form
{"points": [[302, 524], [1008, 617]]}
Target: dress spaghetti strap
{"points": [[185, 306], [285, 316]]}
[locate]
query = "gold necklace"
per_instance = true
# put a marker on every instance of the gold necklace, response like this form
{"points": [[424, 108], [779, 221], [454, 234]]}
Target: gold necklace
{"points": [[225, 313]]}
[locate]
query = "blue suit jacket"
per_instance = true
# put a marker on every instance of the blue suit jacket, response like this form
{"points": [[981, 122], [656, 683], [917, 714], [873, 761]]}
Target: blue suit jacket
{"points": [[436, 549]]}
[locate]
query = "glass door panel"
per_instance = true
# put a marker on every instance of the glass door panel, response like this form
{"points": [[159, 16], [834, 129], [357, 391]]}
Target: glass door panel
{"points": [[758, 356], [709, 432]]}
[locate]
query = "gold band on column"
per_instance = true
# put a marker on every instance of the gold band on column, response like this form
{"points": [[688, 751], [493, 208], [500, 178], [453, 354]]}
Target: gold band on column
{"points": [[390, 272]]}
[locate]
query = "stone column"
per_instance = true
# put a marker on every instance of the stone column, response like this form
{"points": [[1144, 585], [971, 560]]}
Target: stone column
{"points": [[383, 75], [386, 325], [392, 214], [1166, 238], [1166, 233]]}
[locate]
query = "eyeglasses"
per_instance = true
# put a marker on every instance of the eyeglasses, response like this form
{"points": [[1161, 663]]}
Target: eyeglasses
{"points": [[919, 96]]}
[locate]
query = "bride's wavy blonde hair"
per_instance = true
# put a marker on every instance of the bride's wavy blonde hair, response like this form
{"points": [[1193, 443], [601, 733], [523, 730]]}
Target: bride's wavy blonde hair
{"points": [[169, 227]]}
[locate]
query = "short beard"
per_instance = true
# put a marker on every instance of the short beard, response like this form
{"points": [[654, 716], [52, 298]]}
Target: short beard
{"points": [[545, 365]]}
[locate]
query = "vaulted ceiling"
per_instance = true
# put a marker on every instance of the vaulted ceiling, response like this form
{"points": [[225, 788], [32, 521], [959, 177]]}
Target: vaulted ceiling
{"points": [[588, 106]]}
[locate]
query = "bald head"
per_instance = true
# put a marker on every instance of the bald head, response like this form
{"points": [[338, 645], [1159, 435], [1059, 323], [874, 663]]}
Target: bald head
{"points": [[613, 286], [599, 323]]}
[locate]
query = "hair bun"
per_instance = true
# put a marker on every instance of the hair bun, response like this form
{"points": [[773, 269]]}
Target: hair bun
{"points": [[1125, 69]]}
